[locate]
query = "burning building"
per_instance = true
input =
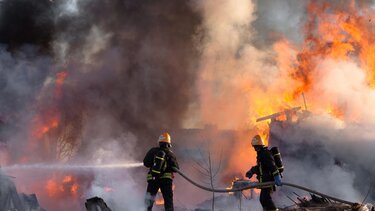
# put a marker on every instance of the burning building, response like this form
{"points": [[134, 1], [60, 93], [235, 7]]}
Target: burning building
{"points": [[94, 82]]}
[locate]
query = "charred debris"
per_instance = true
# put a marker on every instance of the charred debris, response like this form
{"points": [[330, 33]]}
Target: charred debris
{"points": [[10, 199]]}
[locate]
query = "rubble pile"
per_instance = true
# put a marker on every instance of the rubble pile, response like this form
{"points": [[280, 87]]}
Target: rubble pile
{"points": [[324, 204]]}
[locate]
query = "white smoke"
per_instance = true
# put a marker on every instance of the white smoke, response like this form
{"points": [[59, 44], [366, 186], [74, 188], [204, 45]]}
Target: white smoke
{"points": [[120, 188], [69, 7], [344, 84], [231, 63], [325, 156]]}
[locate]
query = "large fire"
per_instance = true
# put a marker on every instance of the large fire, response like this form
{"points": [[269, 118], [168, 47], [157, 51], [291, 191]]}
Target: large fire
{"points": [[46, 127], [332, 35], [337, 34], [331, 71]]}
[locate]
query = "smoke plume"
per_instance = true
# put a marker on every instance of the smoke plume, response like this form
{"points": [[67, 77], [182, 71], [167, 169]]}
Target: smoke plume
{"points": [[258, 62], [96, 81], [77, 74]]}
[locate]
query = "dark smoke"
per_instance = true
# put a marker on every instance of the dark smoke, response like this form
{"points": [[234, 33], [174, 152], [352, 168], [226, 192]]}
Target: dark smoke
{"points": [[142, 75], [26, 33], [24, 22], [130, 70]]}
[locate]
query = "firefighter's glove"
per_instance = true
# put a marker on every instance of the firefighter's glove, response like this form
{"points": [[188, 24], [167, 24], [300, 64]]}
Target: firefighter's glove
{"points": [[278, 180], [249, 174]]}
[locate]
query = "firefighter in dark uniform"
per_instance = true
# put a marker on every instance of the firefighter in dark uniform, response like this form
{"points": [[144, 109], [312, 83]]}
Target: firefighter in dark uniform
{"points": [[266, 171], [160, 160]]}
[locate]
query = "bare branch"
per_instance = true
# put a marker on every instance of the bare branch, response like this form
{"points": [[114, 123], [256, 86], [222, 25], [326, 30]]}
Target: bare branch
{"points": [[200, 171], [201, 166], [218, 169], [200, 152]]}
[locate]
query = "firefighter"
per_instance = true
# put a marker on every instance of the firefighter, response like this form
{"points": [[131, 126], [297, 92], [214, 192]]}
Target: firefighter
{"points": [[160, 161], [266, 171]]}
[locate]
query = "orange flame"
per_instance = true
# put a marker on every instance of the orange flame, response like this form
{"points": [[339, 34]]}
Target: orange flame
{"points": [[59, 82], [50, 119], [60, 78], [52, 188], [341, 35], [43, 128], [159, 200], [331, 33], [65, 187]]}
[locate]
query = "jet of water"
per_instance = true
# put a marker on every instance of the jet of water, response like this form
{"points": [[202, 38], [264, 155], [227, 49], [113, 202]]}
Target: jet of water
{"points": [[43, 166]]}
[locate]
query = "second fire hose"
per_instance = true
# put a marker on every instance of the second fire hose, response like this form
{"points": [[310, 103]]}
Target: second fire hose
{"points": [[261, 185]]}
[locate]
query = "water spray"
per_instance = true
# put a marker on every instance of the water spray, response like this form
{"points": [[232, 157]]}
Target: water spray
{"points": [[41, 166]]}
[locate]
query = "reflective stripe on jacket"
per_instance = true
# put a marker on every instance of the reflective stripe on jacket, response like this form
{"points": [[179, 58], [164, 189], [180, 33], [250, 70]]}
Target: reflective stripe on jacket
{"points": [[170, 159], [166, 175], [266, 168]]}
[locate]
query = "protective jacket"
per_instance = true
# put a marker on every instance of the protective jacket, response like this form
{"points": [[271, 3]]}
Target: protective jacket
{"points": [[171, 161], [266, 168]]}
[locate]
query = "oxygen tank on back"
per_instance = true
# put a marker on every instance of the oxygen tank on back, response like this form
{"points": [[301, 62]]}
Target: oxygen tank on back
{"points": [[277, 158], [159, 164]]}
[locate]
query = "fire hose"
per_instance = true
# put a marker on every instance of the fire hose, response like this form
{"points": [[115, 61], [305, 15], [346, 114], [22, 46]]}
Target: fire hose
{"points": [[259, 186]]}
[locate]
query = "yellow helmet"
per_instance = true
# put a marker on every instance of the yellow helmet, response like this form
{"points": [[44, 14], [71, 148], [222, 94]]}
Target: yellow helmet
{"points": [[257, 141], [164, 138]]}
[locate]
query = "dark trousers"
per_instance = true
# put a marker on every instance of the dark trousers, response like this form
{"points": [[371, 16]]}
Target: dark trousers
{"points": [[165, 186], [266, 199]]}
